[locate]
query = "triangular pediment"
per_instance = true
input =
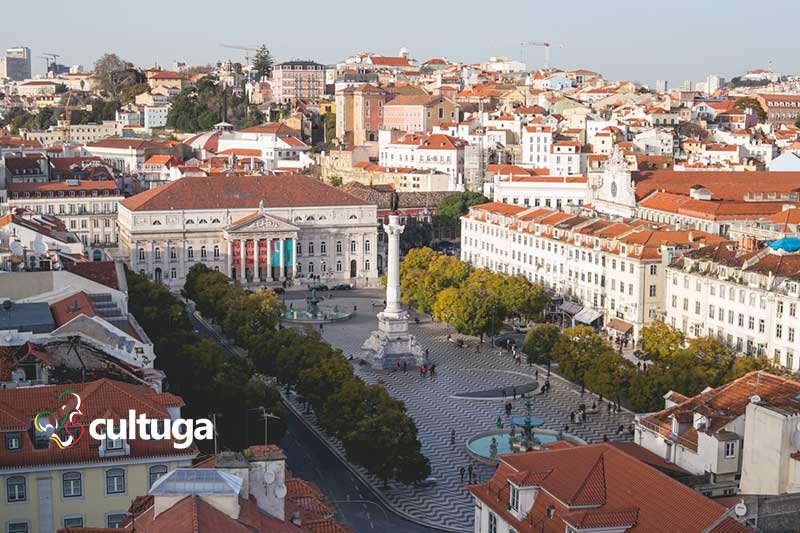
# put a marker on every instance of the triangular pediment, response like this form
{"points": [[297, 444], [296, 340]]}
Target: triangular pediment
{"points": [[259, 222]]}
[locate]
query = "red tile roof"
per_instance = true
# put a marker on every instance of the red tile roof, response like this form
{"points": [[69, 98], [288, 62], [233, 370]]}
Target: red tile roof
{"points": [[598, 486], [240, 192], [70, 307], [724, 185], [103, 272], [724, 404], [102, 398]]}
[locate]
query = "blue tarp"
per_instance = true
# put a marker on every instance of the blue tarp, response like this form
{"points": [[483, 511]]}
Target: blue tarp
{"points": [[787, 244]]}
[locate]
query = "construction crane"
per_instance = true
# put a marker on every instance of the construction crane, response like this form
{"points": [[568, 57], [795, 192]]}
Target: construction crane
{"points": [[245, 48], [546, 47], [51, 60]]}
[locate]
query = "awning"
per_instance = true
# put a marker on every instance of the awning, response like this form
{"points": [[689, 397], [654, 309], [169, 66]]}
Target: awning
{"points": [[620, 325], [588, 315], [570, 308]]}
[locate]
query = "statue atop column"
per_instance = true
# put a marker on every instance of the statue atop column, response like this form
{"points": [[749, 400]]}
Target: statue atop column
{"points": [[391, 343]]}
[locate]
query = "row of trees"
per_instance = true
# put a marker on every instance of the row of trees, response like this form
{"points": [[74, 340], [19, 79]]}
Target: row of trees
{"points": [[209, 380], [474, 301], [687, 367], [373, 427]]}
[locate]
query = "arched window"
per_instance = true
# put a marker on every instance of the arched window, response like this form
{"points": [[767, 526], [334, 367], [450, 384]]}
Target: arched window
{"points": [[338, 247], [115, 481], [190, 252], [311, 248], [216, 252], [203, 253], [156, 472], [215, 221], [71, 485], [158, 254], [173, 273], [190, 221], [323, 247], [156, 222], [338, 266], [309, 218], [353, 217], [310, 268], [173, 253], [323, 267], [141, 254], [366, 264], [353, 246], [16, 489], [366, 245], [202, 221]]}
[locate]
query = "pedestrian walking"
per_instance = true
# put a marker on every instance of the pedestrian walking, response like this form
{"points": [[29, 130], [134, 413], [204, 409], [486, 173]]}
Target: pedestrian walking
{"points": [[499, 423], [471, 472], [405, 366], [572, 417], [452, 436], [461, 472], [504, 394], [536, 374], [515, 393]]}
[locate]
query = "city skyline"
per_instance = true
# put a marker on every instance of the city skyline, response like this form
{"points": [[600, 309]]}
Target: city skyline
{"points": [[595, 39]]}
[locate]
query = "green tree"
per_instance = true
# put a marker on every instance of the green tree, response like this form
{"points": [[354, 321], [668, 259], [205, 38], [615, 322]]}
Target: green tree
{"points": [[610, 374], [329, 120], [540, 342], [522, 298], [660, 341], [417, 234], [130, 93], [453, 206], [336, 181], [114, 75], [576, 350], [263, 63], [746, 102]]}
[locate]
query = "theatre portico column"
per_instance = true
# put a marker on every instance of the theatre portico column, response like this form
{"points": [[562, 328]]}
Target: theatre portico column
{"points": [[269, 260], [229, 259], [242, 261], [281, 259], [256, 258]]}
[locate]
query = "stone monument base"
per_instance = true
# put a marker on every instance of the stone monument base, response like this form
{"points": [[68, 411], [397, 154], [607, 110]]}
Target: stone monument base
{"points": [[391, 343]]}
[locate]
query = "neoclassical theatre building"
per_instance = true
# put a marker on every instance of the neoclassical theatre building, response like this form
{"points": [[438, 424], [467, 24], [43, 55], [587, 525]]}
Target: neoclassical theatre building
{"points": [[260, 230]]}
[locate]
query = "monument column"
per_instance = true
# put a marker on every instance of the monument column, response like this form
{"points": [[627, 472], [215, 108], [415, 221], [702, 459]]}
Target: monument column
{"points": [[242, 261], [393, 230], [256, 265]]}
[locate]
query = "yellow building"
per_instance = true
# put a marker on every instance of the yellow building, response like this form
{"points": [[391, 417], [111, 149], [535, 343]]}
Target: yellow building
{"points": [[92, 484]]}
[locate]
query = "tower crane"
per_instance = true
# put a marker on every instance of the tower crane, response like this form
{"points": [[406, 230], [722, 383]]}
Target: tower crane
{"points": [[244, 48], [546, 47]]}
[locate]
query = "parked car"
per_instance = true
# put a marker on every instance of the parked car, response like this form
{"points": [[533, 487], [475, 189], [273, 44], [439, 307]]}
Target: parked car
{"points": [[318, 287], [342, 287], [278, 290], [520, 328]]}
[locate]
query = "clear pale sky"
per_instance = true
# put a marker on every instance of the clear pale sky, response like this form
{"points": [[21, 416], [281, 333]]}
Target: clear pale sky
{"points": [[623, 39]]}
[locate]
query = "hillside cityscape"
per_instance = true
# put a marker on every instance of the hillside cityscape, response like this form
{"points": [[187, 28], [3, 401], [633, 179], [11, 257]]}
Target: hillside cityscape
{"points": [[396, 294]]}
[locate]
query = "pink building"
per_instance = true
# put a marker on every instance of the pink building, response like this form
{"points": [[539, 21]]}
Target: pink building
{"points": [[295, 80]]}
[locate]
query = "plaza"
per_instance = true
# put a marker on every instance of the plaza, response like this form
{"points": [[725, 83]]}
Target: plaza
{"points": [[465, 394]]}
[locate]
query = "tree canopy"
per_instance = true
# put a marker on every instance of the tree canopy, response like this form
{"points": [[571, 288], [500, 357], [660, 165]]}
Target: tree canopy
{"points": [[114, 75], [200, 106], [749, 102], [453, 206], [263, 63]]}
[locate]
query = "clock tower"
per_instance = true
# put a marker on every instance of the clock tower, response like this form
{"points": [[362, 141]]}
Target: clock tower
{"points": [[615, 195]]}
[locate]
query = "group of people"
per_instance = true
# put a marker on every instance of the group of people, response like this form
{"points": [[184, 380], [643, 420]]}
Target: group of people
{"points": [[470, 472]]}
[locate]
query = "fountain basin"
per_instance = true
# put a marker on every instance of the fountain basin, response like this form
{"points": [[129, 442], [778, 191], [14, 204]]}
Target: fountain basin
{"points": [[323, 316], [479, 446]]}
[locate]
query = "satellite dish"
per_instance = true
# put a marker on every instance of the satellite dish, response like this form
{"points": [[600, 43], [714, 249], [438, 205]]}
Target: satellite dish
{"points": [[40, 247], [269, 477], [740, 509], [16, 248], [755, 398], [280, 491]]}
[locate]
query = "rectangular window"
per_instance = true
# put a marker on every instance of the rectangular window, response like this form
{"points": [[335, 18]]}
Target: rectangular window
{"points": [[514, 498], [75, 521], [730, 449], [13, 440], [492, 523], [71, 484], [18, 527]]}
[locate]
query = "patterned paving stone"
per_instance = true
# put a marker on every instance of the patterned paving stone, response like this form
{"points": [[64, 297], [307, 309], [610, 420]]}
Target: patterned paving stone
{"points": [[433, 403]]}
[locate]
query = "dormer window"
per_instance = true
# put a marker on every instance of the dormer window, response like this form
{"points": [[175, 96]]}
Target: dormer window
{"points": [[730, 449], [513, 497], [114, 445], [13, 441]]}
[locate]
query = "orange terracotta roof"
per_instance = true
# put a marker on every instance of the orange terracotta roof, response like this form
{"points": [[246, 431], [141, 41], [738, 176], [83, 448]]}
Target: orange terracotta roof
{"points": [[240, 192]]}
